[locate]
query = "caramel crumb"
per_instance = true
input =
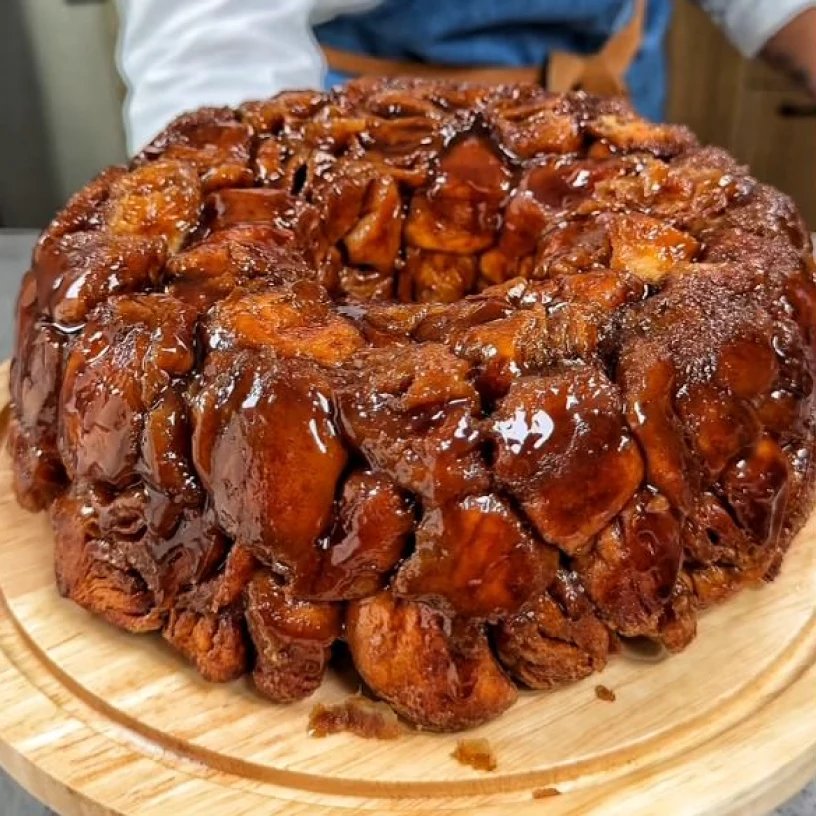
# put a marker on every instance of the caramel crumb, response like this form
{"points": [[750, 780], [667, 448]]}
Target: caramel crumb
{"points": [[605, 694], [477, 753], [357, 715], [544, 793]]}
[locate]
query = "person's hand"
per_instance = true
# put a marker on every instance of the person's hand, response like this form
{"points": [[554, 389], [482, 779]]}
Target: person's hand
{"points": [[793, 50]]}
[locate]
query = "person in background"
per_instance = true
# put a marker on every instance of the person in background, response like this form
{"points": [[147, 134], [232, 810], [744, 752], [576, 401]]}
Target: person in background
{"points": [[176, 55]]}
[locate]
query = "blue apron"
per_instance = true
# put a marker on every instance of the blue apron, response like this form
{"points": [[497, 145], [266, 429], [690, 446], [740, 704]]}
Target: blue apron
{"points": [[504, 32]]}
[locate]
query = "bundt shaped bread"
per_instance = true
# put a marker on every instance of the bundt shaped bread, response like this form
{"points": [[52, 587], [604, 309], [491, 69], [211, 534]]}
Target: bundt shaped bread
{"points": [[476, 381]]}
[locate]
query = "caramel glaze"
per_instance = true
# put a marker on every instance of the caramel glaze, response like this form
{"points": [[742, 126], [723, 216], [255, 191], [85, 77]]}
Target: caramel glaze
{"points": [[478, 380]]}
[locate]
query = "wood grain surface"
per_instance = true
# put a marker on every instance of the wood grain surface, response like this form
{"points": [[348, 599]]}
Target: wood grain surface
{"points": [[96, 721]]}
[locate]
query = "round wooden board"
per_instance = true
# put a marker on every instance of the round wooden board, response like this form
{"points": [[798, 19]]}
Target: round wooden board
{"points": [[96, 721]]}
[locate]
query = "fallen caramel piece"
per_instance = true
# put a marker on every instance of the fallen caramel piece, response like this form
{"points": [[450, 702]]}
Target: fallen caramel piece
{"points": [[605, 694], [477, 753], [357, 715], [545, 793]]}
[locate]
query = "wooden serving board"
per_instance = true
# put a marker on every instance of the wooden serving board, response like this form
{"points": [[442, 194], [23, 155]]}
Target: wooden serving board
{"points": [[96, 721]]}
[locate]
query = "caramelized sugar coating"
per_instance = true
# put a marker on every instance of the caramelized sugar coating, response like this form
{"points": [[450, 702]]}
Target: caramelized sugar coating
{"points": [[212, 639], [557, 640], [436, 673], [554, 432], [213, 140], [292, 638], [413, 413], [112, 563], [126, 366], [372, 526], [479, 380], [269, 454], [475, 558], [633, 567], [294, 320]]}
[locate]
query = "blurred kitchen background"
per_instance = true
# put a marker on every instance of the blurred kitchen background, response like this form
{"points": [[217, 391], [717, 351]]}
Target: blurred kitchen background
{"points": [[60, 101]]}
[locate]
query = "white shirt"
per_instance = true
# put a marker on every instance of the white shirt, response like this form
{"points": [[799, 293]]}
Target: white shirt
{"points": [[166, 49]]}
